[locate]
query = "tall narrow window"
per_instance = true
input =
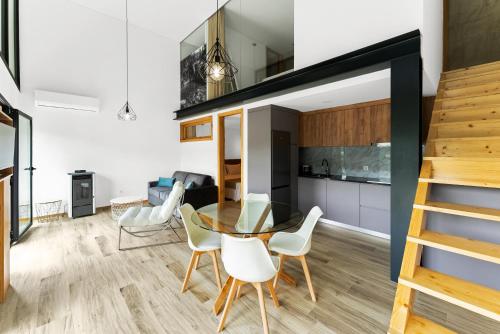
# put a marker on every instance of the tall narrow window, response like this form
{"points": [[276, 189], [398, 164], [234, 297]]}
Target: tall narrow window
{"points": [[9, 34]]}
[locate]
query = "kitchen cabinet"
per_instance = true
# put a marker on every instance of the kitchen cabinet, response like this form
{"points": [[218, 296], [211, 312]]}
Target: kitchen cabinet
{"points": [[354, 125], [357, 127], [362, 205], [375, 208], [342, 202], [312, 192]]}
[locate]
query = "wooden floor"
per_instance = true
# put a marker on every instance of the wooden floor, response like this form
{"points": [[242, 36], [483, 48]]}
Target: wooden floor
{"points": [[68, 277]]}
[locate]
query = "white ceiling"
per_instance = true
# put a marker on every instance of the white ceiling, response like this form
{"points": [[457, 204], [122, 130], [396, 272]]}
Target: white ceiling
{"points": [[368, 87], [174, 19]]}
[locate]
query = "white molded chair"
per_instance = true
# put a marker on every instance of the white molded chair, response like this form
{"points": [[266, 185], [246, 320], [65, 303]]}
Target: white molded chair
{"points": [[297, 245], [201, 241], [253, 208], [247, 260], [139, 221]]}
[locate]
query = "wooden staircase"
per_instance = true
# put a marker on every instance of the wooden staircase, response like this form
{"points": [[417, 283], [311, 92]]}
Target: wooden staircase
{"points": [[463, 149]]}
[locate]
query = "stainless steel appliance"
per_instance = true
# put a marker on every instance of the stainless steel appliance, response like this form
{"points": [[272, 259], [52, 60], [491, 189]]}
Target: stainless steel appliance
{"points": [[280, 161]]}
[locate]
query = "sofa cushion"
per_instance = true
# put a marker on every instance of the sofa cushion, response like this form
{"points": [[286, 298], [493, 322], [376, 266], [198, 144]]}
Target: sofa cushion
{"points": [[180, 176], [198, 179], [166, 182], [157, 191]]}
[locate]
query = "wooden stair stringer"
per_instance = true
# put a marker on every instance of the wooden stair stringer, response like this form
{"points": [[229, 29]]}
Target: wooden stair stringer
{"points": [[462, 148]]}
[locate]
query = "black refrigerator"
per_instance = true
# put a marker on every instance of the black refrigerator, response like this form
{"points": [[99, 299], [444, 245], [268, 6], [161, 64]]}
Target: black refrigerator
{"points": [[280, 167]]}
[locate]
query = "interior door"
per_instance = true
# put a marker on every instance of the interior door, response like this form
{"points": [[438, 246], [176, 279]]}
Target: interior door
{"points": [[22, 180]]}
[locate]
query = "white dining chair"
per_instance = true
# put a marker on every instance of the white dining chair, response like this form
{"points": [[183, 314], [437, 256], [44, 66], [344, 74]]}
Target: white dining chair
{"points": [[297, 245], [247, 260], [253, 208], [201, 241]]}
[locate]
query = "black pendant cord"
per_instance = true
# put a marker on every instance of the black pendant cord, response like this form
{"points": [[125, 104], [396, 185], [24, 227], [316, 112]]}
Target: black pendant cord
{"points": [[126, 42], [217, 20]]}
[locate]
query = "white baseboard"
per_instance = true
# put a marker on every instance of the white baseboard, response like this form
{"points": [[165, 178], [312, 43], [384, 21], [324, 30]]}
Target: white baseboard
{"points": [[355, 228]]}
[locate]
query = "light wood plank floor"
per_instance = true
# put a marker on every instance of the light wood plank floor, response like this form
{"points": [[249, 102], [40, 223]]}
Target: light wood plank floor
{"points": [[68, 277]]}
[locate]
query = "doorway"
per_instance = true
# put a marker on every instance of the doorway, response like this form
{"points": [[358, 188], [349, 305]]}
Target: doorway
{"points": [[22, 180], [230, 156]]}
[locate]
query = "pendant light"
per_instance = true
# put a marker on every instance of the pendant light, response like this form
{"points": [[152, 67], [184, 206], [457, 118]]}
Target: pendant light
{"points": [[218, 65], [126, 112]]}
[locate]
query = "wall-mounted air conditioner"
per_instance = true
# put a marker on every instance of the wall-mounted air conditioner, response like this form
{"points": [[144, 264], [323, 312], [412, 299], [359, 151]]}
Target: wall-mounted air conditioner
{"points": [[45, 100]]}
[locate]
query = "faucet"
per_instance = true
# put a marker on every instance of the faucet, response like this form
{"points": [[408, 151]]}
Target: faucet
{"points": [[327, 169]]}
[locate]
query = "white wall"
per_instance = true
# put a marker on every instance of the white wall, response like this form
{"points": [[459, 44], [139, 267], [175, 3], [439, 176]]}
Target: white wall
{"points": [[329, 28], [232, 135], [72, 49]]}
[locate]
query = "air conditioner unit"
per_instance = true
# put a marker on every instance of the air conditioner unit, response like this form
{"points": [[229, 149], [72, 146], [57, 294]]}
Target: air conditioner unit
{"points": [[45, 100]]}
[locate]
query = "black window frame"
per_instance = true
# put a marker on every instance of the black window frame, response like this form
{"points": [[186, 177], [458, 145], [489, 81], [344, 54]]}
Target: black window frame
{"points": [[4, 53]]}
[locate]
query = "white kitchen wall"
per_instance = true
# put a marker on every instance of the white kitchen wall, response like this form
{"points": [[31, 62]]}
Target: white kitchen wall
{"points": [[69, 48], [328, 28]]}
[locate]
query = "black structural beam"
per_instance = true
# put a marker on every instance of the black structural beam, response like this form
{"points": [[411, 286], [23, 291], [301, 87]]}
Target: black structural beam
{"points": [[375, 54], [406, 149]]}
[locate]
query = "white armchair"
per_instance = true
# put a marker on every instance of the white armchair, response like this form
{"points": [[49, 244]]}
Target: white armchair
{"points": [[147, 221]]}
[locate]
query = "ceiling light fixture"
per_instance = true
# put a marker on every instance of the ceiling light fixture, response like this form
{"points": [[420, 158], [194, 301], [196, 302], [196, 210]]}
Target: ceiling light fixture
{"points": [[126, 112], [218, 65]]}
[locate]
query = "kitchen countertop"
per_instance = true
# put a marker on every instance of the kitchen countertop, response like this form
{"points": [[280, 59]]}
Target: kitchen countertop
{"points": [[382, 181]]}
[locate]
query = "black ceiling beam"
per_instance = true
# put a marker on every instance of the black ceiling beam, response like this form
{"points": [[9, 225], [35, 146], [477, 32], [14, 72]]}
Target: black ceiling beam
{"points": [[376, 54]]}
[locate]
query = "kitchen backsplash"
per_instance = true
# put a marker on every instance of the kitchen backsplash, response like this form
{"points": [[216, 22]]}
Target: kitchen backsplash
{"points": [[361, 161]]}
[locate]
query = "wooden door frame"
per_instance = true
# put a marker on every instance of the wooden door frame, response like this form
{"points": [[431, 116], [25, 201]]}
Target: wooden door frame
{"points": [[221, 151]]}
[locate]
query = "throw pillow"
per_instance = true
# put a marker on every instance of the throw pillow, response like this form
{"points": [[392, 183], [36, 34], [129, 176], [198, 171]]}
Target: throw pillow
{"points": [[190, 185], [166, 181]]}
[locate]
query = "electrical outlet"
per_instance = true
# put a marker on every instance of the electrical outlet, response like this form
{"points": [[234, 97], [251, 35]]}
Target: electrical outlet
{"points": [[365, 168]]}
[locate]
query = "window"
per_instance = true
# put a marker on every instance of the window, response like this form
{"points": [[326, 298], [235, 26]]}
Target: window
{"points": [[197, 130], [9, 34]]}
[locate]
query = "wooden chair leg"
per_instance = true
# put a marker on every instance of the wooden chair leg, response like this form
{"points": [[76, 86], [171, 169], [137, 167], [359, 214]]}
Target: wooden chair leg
{"points": [[308, 277], [262, 303], [229, 301], [189, 270], [282, 263], [273, 293], [238, 293], [213, 254], [197, 262]]}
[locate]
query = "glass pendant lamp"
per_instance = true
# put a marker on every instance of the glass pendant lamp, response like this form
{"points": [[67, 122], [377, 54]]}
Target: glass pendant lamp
{"points": [[126, 112]]}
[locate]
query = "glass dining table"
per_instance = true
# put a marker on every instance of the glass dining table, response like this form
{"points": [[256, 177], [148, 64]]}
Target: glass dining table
{"points": [[259, 219], [255, 218]]}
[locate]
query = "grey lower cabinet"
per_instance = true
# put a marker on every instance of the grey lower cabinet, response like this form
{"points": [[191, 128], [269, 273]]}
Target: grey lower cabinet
{"points": [[358, 204], [342, 202], [375, 208], [312, 192]]}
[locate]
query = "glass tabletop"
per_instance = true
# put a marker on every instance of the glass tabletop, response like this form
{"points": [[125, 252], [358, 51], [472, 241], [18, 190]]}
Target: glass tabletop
{"points": [[255, 217]]}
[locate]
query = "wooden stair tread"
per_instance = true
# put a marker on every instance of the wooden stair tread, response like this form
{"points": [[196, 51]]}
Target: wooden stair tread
{"points": [[467, 95], [470, 71], [461, 210], [471, 296], [475, 172], [478, 121], [419, 325], [464, 139], [480, 250]]}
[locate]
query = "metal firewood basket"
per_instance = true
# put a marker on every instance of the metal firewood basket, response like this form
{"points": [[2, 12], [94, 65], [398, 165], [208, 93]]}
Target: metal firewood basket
{"points": [[48, 212]]}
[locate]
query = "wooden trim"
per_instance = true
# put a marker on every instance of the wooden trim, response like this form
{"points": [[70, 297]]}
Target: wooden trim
{"points": [[198, 121], [446, 12], [5, 119], [221, 151], [5, 224], [4, 173]]}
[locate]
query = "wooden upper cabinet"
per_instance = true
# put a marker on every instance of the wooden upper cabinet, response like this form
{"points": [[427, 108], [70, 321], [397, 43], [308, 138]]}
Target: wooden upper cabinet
{"points": [[333, 133], [354, 125], [380, 123]]}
